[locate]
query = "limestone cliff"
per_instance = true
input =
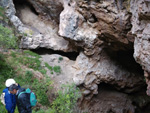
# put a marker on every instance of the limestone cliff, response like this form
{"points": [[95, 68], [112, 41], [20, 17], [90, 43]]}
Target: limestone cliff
{"points": [[112, 38]]}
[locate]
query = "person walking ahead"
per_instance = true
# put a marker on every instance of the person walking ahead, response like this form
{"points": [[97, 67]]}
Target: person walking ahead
{"points": [[23, 101], [9, 99]]}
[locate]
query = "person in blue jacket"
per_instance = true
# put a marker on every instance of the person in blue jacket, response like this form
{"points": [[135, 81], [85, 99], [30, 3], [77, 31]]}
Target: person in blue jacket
{"points": [[23, 101], [10, 99]]}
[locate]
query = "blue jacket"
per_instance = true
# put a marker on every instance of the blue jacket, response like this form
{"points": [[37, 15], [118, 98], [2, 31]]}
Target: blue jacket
{"points": [[10, 101]]}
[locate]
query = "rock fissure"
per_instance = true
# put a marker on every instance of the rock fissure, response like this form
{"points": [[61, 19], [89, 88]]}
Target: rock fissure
{"points": [[44, 51]]}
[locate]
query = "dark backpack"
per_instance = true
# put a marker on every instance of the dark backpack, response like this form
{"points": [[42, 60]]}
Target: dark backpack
{"points": [[33, 99]]}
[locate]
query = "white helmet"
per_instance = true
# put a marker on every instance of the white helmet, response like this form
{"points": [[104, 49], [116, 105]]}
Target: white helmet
{"points": [[9, 82]]}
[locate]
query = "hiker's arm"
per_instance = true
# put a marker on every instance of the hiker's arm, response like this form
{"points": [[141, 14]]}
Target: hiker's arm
{"points": [[13, 104], [8, 102]]}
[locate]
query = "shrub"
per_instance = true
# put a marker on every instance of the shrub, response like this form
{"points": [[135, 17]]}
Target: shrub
{"points": [[2, 108], [7, 38], [60, 59], [41, 88], [66, 100], [2, 12], [28, 76], [49, 67], [3, 18], [57, 69], [43, 71]]}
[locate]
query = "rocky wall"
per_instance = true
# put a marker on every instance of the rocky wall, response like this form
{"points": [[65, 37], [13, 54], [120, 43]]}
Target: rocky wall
{"points": [[141, 29], [105, 33]]}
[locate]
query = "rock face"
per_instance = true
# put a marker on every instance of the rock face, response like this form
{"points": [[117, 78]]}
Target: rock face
{"points": [[105, 33], [90, 73], [36, 32], [141, 29], [110, 101], [89, 21]]}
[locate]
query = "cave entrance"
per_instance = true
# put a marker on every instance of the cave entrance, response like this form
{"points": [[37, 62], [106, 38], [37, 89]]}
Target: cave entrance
{"points": [[47, 10], [43, 51], [125, 59], [111, 96], [22, 4]]}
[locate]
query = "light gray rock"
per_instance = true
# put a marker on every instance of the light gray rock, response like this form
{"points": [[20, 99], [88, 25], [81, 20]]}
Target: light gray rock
{"points": [[141, 29], [68, 22], [88, 71], [66, 74], [35, 32]]}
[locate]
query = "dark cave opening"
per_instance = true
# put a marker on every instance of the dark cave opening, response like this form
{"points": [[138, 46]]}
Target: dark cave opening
{"points": [[110, 87], [49, 11], [139, 99], [23, 3], [70, 55], [125, 59]]}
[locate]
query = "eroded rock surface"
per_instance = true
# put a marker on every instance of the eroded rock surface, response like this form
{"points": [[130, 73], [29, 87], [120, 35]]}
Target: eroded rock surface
{"points": [[141, 29], [106, 33], [110, 101], [36, 31], [91, 72]]}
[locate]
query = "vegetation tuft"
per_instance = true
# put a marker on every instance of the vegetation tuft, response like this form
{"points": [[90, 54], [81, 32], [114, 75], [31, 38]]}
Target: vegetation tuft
{"points": [[7, 38], [66, 100], [56, 69], [60, 59]]}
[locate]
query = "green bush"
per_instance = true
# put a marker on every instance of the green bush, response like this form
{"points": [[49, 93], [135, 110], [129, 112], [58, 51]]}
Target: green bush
{"points": [[43, 71], [49, 67], [28, 76], [60, 59], [43, 111], [7, 38], [2, 12], [2, 15], [6, 71], [41, 88], [2, 108], [66, 100], [56, 69]]}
